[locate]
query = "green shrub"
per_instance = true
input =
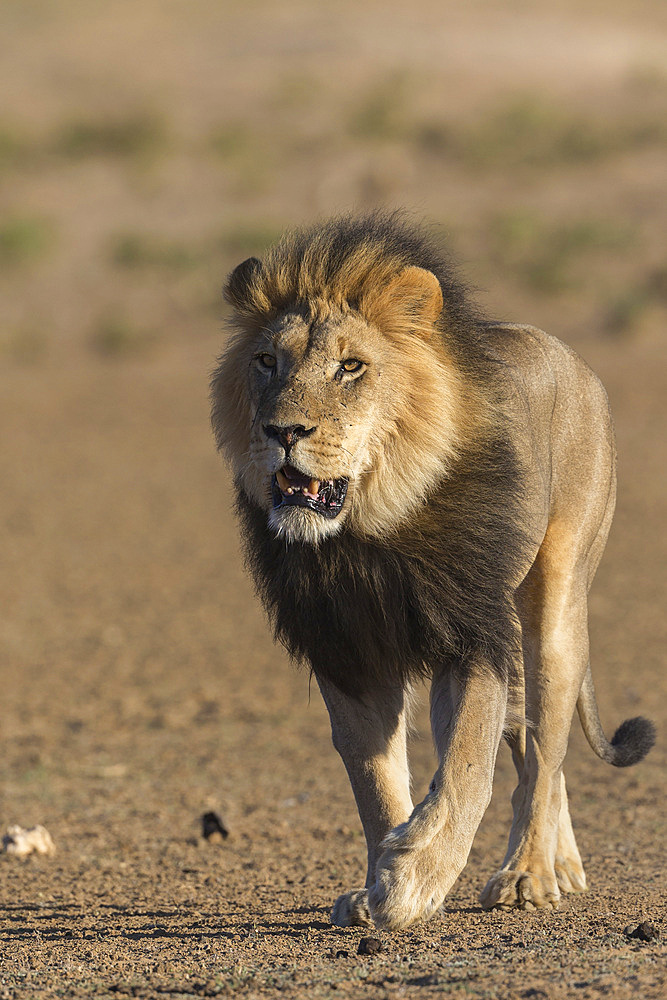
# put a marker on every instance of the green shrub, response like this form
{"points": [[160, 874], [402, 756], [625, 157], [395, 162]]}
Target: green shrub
{"points": [[134, 136], [24, 239], [545, 256], [116, 336], [136, 250]]}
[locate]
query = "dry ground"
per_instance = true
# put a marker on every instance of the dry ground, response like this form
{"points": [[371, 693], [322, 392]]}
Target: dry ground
{"points": [[144, 149]]}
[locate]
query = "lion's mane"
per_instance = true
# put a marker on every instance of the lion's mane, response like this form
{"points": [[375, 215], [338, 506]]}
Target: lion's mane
{"points": [[436, 589]]}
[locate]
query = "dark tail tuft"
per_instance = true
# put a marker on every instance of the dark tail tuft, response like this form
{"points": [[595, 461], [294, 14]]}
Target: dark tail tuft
{"points": [[632, 741]]}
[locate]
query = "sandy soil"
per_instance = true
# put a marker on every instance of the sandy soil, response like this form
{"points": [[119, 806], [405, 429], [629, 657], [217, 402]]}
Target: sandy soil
{"points": [[140, 687]]}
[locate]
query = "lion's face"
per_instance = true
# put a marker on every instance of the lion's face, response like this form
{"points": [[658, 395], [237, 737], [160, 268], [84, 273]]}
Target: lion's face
{"points": [[332, 419], [318, 392]]}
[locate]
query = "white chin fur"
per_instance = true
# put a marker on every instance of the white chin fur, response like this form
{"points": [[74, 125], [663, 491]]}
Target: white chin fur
{"points": [[298, 524]]}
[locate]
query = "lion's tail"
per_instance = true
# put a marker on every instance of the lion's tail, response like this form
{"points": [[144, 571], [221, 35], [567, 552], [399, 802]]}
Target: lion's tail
{"points": [[630, 743]]}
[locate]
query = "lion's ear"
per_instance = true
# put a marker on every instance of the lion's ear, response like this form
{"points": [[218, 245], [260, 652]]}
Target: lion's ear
{"points": [[412, 297], [238, 290]]}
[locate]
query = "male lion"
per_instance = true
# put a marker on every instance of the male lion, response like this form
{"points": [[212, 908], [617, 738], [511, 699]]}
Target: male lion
{"points": [[423, 493]]}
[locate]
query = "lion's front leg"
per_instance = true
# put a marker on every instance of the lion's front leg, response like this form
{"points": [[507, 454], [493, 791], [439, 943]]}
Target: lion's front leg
{"points": [[371, 739], [423, 857]]}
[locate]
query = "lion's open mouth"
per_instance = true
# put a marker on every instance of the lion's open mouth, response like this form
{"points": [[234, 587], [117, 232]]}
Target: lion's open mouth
{"points": [[291, 488]]}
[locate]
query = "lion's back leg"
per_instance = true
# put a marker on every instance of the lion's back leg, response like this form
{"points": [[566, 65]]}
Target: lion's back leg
{"points": [[542, 857], [568, 866], [570, 873]]}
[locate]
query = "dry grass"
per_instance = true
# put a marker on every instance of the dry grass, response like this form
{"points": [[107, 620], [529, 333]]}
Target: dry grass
{"points": [[549, 257], [530, 133], [137, 136]]}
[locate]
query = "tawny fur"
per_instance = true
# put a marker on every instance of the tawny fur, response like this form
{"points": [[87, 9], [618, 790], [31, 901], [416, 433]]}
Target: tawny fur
{"points": [[480, 461]]}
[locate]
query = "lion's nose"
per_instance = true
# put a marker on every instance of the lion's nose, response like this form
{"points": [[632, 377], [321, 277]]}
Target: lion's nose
{"points": [[288, 436]]}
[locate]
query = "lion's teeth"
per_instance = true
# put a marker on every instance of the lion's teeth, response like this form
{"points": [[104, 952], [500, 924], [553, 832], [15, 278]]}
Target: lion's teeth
{"points": [[283, 481], [311, 490]]}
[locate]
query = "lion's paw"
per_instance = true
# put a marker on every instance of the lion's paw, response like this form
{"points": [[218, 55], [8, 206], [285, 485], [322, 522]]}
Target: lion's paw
{"points": [[351, 909], [570, 874], [409, 886], [520, 890]]}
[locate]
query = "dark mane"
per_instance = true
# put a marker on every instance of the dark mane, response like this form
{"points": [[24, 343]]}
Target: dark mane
{"points": [[368, 614]]}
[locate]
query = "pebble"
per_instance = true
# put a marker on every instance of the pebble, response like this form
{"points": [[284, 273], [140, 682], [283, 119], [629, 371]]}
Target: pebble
{"points": [[369, 946], [642, 932], [213, 828], [21, 842]]}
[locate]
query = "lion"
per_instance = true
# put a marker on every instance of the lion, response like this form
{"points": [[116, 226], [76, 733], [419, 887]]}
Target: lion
{"points": [[423, 493]]}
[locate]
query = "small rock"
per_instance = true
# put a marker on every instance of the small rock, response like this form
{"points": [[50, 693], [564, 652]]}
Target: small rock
{"points": [[643, 932], [213, 829], [369, 946], [341, 953], [21, 842]]}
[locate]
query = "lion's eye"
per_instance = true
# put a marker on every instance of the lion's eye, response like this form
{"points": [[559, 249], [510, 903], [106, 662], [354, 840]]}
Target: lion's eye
{"points": [[266, 360], [351, 365]]}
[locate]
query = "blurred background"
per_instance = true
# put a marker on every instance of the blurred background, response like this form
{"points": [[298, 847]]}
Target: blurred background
{"points": [[145, 149]]}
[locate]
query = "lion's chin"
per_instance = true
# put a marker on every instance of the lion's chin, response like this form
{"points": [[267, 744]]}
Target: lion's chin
{"points": [[300, 524]]}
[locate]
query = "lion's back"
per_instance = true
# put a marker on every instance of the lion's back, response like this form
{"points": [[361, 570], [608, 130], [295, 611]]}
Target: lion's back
{"points": [[561, 418]]}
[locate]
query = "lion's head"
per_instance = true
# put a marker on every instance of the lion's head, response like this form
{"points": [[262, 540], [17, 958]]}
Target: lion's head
{"points": [[339, 399]]}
